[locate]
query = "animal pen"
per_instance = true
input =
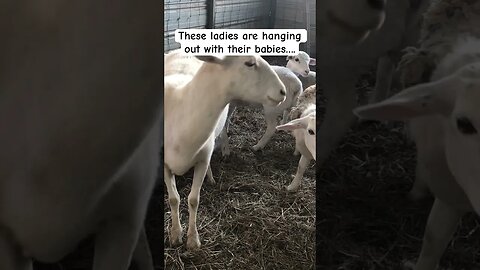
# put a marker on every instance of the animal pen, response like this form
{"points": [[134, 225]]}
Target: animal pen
{"points": [[247, 220]]}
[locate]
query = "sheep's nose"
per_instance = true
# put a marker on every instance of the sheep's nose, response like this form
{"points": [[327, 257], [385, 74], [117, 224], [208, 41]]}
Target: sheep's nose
{"points": [[307, 71], [282, 92], [377, 4]]}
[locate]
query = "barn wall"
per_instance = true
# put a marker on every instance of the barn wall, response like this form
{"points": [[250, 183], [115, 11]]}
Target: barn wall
{"points": [[299, 14], [237, 14]]}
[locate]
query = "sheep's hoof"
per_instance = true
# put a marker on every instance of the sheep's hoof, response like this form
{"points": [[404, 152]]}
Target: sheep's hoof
{"points": [[211, 180], [193, 242], [176, 238], [257, 147], [292, 188], [408, 265], [296, 153], [225, 151]]}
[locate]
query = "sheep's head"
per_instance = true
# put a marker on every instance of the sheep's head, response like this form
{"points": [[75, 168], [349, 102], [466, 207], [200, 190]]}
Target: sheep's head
{"points": [[457, 98], [250, 78], [307, 125], [350, 21], [300, 63]]}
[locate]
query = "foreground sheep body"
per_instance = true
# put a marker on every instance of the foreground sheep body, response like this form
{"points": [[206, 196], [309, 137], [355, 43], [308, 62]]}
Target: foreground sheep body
{"points": [[79, 133], [303, 125], [349, 21], [341, 66], [196, 98], [293, 88]]}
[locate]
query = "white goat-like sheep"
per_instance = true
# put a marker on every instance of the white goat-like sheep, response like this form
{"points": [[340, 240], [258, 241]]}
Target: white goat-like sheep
{"points": [[293, 88], [303, 125], [196, 98], [340, 67], [445, 118], [300, 65], [80, 130], [349, 21]]}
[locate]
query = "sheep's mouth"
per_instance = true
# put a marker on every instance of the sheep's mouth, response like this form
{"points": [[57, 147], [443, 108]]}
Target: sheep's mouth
{"points": [[356, 30], [274, 101]]}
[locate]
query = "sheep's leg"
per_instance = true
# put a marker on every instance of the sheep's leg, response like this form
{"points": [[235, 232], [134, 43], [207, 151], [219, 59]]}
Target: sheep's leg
{"points": [[174, 201], [442, 223], [142, 257], [10, 256], [114, 245], [341, 96], [193, 240], [224, 140], [383, 82], [271, 119], [210, 178], [284, 117], [297, 180], [420, 188]]}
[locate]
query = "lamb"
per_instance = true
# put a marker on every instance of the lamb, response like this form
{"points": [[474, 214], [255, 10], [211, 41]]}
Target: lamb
{"points": [[349, 21], [340, 67], [299, 64], [303, 126], [196, 105], [80, 130], [293, 87]]}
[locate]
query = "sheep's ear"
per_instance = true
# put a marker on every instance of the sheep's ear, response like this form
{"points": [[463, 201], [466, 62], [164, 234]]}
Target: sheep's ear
{"points": [[210, 59], [313, 62], [423, 99], [294, 124]]}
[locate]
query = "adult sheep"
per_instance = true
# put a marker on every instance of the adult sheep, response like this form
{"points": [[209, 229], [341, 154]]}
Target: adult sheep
{"points": [[80, 109], [197, 95]]}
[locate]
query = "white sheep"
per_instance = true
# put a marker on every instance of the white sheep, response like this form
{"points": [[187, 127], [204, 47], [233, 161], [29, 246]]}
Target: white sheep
{"points": [[299, 64], [80, 111], [349, 21], [445, 119], [293, 87], [194, 105], [340, 67], [304, 130]]}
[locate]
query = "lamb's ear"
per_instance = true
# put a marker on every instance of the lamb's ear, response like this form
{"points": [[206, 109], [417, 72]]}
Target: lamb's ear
{"points": [[423, 99], [294, 124], [210, 59], [313, 62]]}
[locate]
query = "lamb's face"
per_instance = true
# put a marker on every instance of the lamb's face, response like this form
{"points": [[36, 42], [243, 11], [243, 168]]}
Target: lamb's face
{"points": [[254, 80], [311, 134], [463, 141], [350, 21], [300, 63]]}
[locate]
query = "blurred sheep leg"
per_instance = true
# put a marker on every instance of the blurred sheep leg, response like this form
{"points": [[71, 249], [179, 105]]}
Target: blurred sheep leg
{"points": [[341, 99], [297, 180], [10, 257], [442, 223], [142, 257], [384, 77]]}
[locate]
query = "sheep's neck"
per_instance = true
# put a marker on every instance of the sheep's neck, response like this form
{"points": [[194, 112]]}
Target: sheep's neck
{"points": [[207, 99]]}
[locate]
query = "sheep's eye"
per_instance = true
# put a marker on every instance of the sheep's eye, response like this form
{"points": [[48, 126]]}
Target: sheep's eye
{"points": [[250, 64], [311, 132], [465, 126], [296, 60]]}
